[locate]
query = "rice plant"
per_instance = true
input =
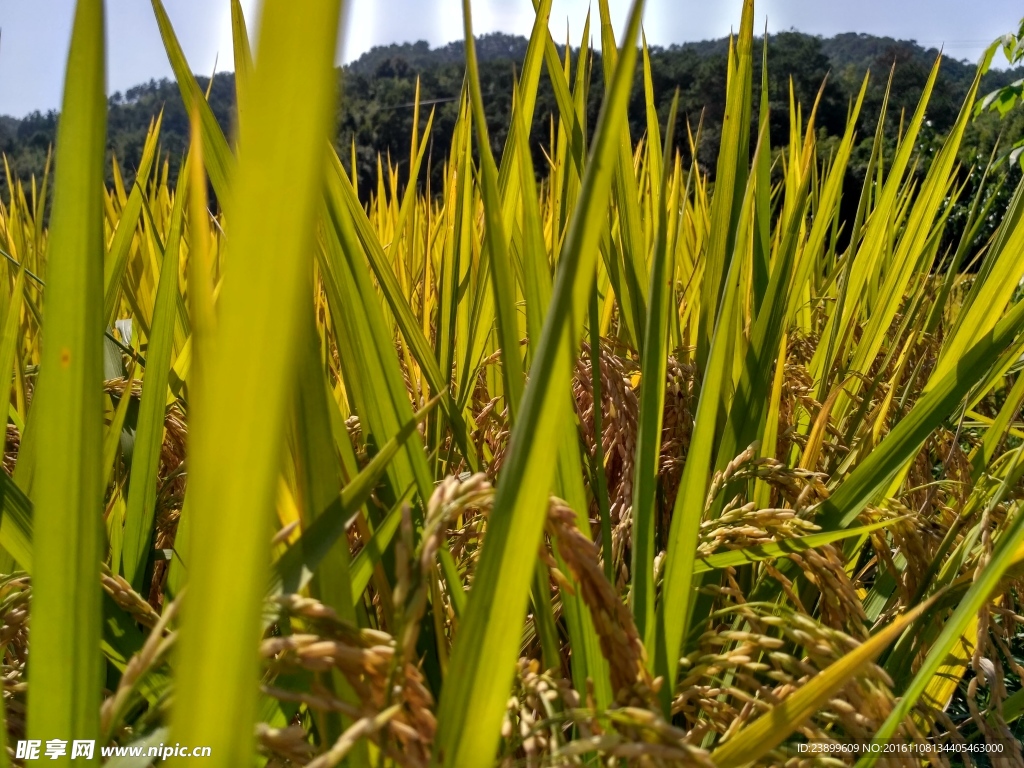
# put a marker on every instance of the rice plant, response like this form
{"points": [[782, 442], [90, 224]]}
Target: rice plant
{"points": [[635, 464]]}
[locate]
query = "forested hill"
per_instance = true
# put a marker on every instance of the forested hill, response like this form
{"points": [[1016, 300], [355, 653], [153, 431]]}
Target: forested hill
{"points": [[378, 91]]}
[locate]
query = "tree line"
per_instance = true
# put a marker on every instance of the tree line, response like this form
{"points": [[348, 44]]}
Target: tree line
{"points": [[378, 93]]}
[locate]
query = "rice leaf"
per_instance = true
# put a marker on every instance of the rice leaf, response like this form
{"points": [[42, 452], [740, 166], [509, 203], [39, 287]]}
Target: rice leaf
{"points": [[127, 223], [874, 473], [485, 650], [654, 364], [238, 430], [1003, 556], [140, 515], [220, 163], [67, 546]]}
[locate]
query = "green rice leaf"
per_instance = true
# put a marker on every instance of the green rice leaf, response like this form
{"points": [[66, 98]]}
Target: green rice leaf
{"points": [[296, 567], [483, 658], [68, 544], [220, 163], [238, 424], [121, 245], [984, 584], [361, 570], [140, 515], [874, 474], [654, 365]]}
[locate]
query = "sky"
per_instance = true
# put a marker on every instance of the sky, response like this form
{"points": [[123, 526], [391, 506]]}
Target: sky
{"points": [[35, 33]]}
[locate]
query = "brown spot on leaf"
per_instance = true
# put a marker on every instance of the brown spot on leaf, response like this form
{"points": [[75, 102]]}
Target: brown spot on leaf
{"points": [[65, 357]]}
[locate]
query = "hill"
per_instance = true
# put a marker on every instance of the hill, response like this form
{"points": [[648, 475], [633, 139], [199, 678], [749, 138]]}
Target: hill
{"points": [[379, 90]]}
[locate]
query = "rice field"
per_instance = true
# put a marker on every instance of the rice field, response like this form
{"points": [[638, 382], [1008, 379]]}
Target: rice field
{"points": [[637, 464]]}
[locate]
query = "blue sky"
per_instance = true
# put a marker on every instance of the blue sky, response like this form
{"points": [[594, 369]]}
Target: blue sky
{"points": [[36, 32]]}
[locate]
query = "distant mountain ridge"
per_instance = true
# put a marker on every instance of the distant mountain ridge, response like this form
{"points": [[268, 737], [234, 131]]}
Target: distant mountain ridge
{"points": [[379, 87], [859, 51]]}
